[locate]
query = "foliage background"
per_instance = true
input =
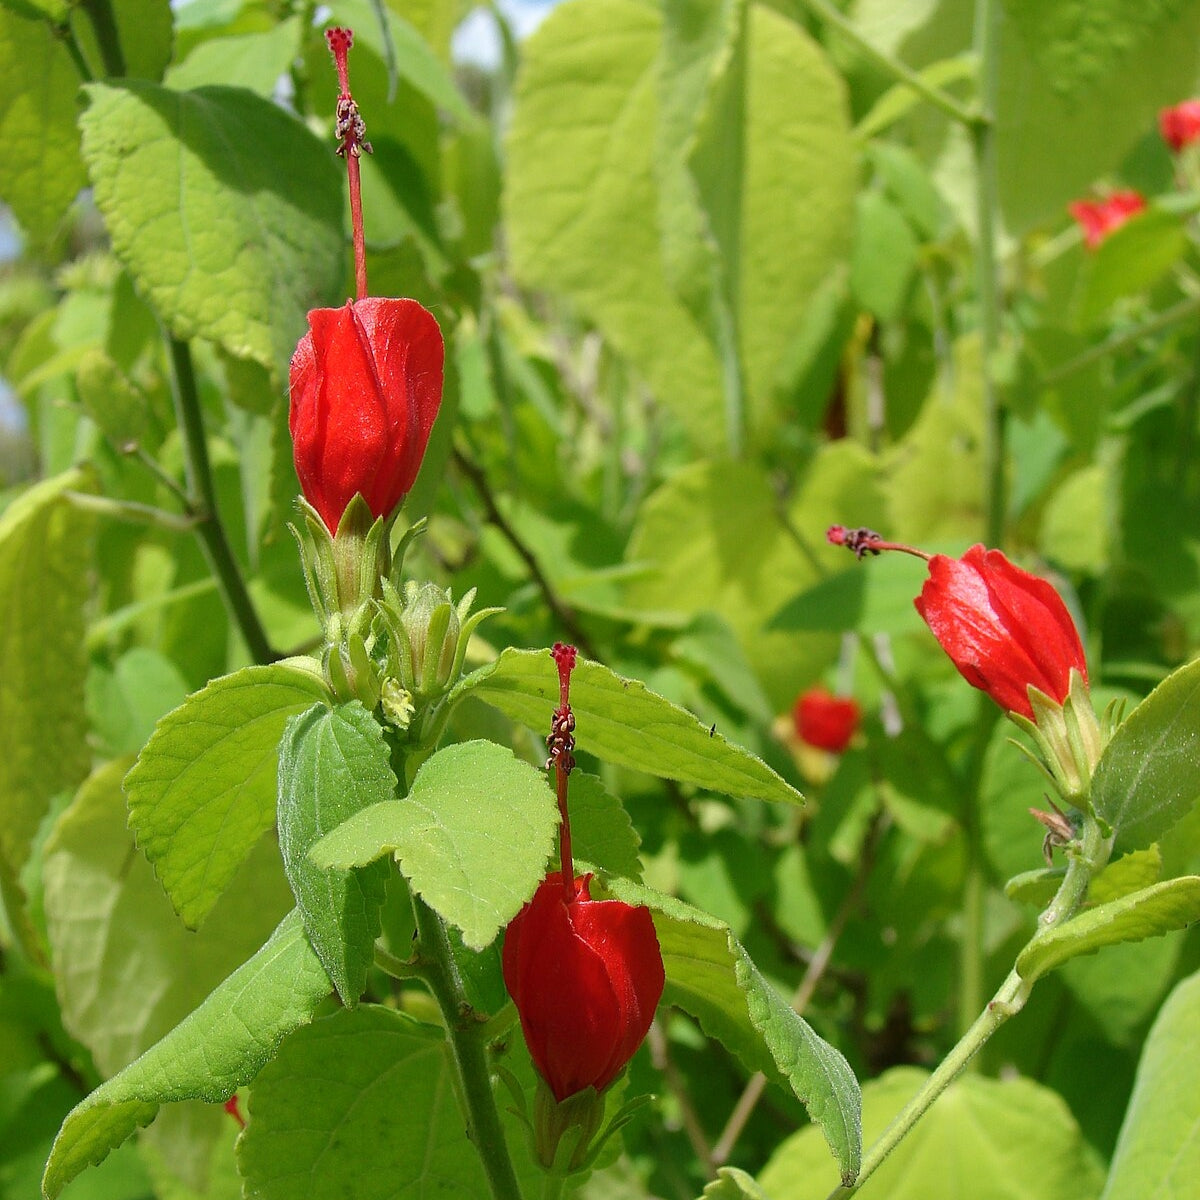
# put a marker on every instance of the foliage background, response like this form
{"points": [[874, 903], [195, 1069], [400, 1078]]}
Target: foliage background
{"points": [[712, 277]]}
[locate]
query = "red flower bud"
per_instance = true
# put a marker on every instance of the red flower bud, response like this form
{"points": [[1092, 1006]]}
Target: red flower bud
{"points": [[366, 383], [1180, 126], [1004, 628], [586, 976], [1098, 218], [825, 721]]}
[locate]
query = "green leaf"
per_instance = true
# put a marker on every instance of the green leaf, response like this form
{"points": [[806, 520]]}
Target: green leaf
{"points": [[40, 170], [472, 836], [202, 791], [765, 167], [127, 971], [213, 1052], [372, 1086], [621, 721], [984, 1139], [884, 259], [226, 211], [1173, 904], [1158, 1150], [143, 32], [249, 60], [601, 831], [332, 764], [711, 976], [1130, 260], [45, 550], [1080, 83], [732, 1183], [1145, 780]]}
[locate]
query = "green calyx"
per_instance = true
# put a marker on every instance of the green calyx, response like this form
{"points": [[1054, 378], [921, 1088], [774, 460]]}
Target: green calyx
{"points": [[428, 637], [1069, 738]]}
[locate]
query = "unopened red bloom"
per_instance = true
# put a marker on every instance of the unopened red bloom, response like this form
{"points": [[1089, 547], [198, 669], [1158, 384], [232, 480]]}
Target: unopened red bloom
{"points": [[1098, 218], [1180, 126], [366, 383], [586, 976], [824, 720], [1004, 629]]}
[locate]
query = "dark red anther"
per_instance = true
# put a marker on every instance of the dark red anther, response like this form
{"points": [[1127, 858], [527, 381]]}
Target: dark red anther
{"points": [[863, 541]]}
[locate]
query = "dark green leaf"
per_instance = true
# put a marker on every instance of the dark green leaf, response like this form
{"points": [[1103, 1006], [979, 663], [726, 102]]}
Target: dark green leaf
{"points": [[333, 763], [711, 976], [1146, 778]]}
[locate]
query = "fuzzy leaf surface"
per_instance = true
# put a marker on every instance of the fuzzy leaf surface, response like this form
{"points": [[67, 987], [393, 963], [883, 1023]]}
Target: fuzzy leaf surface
{"points": [[45, 545], [472, 836], [225, 210], [1163, 908], [333, 763], [202, 791], [1146, 779], [621, 721], [710, 975], [212, 1053]]}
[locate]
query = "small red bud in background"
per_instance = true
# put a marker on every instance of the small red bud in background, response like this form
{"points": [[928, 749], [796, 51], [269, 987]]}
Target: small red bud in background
{"points": [[366, 384], [586, 976], [1099, 218], [1180, 125], [824, 720], [1004, 629]]}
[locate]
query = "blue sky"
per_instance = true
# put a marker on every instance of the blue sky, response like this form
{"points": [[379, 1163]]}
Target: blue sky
{"points": [[476, 39]]}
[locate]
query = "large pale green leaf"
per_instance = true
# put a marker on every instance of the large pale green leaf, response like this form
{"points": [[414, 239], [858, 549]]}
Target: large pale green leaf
{"points": [[213, 1052], [1081, 82], [127, 970], [984, 1139], [141, 45], [472, 836], [765, 169], [712, 977], [40, 170], [1173, 904], [623, 722], [45, 551], [226, 211], [601, 831], [202, 791], [713, 538], [1146, 778], [332, 764], [1158, 1150], [249, 60]]}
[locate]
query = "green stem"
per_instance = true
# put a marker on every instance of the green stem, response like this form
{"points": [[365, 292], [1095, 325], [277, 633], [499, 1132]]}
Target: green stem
{"points": [[202, 504], [466, 1036], [66, 35], [397, 968], [1156, 324], [1090, 857], [893, 66], [1008, 1001], [132, 511]]}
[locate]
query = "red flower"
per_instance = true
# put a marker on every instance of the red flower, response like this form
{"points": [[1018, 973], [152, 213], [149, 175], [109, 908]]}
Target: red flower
{"points": [[586, 976], [825, 721], [1004, 628], [366, 383], [1098, 218], [1180, 125]]}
